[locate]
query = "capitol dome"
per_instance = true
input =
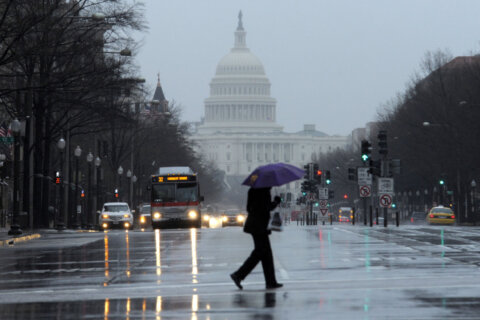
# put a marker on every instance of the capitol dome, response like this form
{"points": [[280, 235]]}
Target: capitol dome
{"points": [[240, 98], [240, 61]]}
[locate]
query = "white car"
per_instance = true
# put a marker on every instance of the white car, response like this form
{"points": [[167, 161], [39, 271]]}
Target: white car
{"points": [[116, 215]]}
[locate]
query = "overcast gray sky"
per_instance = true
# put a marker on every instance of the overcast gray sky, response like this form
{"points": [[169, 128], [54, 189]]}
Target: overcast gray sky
{"points": [[331, 63]]}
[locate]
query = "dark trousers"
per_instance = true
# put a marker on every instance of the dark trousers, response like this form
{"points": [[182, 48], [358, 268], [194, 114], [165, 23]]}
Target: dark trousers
{"points": [[261, 252]]}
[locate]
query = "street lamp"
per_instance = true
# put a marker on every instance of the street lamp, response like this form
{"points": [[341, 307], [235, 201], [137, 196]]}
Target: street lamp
{"points": [[120, 172], [425, 192], [77, 153], [134, 179], [14, 226], [89, 192], [60, 223], [97, 163], [473, 184], [129, 177]]}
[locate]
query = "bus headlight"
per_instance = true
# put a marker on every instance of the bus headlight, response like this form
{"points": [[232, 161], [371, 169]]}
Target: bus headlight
{"points": [[240, 218], [157, 215], [224, 218], [192, 214], [206, 217]]}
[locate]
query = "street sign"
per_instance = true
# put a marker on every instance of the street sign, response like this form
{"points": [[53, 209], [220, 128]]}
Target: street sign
{"points": [[323, 211], [6, 139], [385, 200], [385, 185], [364, 178], [323, 193], [323, 203], [365, 191]]}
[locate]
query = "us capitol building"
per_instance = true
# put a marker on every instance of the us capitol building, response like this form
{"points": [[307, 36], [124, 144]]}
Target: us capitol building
{"points": [[239, 130]]}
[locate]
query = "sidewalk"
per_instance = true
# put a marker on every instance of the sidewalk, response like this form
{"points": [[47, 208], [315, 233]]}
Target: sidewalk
{"points": [[6, 239]]}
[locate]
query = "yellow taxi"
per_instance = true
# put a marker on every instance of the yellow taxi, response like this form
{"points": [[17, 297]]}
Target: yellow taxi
{"points": [[440, 215]]}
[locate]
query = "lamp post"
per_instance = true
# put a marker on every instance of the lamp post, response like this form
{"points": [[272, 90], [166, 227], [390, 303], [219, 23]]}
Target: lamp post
{"points": [[77, 153], [425, 192], [134, 179], [129, 179], [89, 192], [120, 191], [14, 226], [60, 223], [473, 184], [97, 162]]}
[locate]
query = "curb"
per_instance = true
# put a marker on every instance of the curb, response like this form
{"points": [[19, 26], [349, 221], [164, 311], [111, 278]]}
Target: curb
{"points": [[12, 241]]}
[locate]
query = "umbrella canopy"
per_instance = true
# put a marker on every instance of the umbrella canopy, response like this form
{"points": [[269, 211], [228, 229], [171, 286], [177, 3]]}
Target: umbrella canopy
{"points": [[272, 175]]}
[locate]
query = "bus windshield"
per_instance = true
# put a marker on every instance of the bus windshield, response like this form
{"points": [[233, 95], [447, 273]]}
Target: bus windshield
{"points": [[163, 192], [187, 192]]}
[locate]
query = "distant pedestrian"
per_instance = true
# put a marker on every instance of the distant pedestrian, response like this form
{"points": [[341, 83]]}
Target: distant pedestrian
{"points": [[259, 205]]}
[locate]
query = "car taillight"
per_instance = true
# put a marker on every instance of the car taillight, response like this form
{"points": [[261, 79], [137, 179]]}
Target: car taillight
{"points": [[452, 216], [431, 216], [411, 219]]}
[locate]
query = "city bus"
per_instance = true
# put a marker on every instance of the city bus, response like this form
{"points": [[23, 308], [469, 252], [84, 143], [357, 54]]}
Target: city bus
{"points": [[175, 198]]}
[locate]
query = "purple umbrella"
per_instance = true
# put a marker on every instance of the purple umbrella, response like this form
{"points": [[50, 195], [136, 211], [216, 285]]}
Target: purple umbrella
{"points": [[272, 175]]}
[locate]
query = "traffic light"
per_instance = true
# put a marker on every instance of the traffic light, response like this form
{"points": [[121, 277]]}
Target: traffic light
{"points": [[327, 177], [352, 174], [58, 179], [366, 150], [116, 193], [318, 175], [375, 168], [308, 172], [382, 142], [345, 196], [331, 194], [82, 194], [441, 182]]}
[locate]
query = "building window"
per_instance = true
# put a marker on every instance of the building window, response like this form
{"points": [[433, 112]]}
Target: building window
{"points": [[228, 156]]}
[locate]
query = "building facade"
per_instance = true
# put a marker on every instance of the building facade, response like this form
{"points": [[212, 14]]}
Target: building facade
{"points": [[239, 130]]}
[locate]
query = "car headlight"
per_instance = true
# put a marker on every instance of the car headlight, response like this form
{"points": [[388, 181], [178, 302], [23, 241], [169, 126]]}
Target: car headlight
{"points": [[240, 218], [192, 214], [224, 219], [157, 215], [142, 219], [206, 217], [126, 215], [105, 216]]}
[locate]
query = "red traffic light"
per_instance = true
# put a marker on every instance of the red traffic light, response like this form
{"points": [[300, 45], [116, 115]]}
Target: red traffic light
{"points": [[345, 196], [58, 180], [82, 195], [319, 172]]}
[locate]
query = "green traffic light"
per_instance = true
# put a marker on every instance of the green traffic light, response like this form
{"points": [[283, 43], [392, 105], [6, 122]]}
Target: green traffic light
{"points": [[442, 182], [316, 204], [364, 157], [328, 181], [394, 205]]}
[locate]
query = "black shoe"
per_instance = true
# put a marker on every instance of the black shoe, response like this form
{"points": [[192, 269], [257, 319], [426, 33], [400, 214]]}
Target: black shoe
{"points": [[274, 286], [237, 280]]}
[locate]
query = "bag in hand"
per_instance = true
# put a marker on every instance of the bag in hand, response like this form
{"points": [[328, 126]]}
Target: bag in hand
{"points": [[275, 223]]}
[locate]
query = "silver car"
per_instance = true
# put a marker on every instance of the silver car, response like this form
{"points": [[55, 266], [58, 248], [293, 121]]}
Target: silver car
{"points": [[116, 215]]}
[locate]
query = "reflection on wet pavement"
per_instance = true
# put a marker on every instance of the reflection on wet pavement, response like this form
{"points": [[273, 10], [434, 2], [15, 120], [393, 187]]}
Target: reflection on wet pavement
{"points": [[329, 272]]}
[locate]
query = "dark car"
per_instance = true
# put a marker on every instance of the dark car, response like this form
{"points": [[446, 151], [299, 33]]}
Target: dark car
{"points": [[233, 217], [145, 216], [418, 217]]}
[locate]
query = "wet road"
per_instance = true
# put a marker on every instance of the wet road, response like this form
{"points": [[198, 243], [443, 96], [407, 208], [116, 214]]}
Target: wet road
{"points": [[329, 272]]}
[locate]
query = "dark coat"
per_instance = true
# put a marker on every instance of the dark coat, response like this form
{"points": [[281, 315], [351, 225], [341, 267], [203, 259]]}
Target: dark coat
{"points": [[259, 205]]}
